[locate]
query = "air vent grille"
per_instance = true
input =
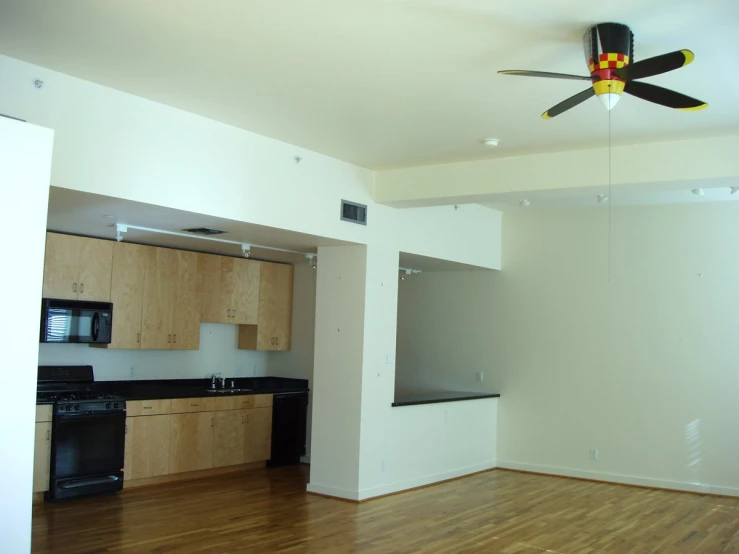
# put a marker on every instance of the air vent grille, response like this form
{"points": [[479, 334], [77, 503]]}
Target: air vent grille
{"points": [[204, 231], [353, 212]]}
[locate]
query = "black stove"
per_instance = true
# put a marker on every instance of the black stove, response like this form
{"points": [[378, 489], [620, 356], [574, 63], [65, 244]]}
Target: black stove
{"points": [[88, 433]]}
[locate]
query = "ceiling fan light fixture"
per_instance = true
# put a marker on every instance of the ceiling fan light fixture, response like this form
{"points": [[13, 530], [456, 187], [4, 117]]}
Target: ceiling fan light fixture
{"points": [[609, 99], [491, 142], [525, 203], [602, 198]]}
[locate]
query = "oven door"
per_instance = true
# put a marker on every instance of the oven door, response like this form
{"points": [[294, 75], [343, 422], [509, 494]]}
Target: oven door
{"points": [[87, 444]]}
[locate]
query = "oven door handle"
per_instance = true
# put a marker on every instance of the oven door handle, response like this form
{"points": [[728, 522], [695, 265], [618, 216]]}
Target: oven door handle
{"points": [[78, 416], [95, 326]]}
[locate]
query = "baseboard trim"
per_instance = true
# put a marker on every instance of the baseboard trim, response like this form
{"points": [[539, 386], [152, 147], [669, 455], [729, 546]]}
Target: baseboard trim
{"points": [[365, 495], [615, 478]]}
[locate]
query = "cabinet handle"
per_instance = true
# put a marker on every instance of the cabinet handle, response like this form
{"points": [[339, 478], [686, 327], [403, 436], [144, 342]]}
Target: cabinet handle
{"points": [[169, 338], [194, 405], [74, 287], [147, 407], [212, 422], [48, 434], [242, 420], [174, 339], [82, 287], [125, 429], [138, 337]]}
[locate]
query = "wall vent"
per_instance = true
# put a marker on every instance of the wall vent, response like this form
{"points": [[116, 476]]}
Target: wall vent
{"points": [[204, 231], [353, 212]]}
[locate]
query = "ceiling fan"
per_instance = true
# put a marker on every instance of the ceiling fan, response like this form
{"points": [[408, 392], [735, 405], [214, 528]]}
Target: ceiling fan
{"points": [[609, 49]]}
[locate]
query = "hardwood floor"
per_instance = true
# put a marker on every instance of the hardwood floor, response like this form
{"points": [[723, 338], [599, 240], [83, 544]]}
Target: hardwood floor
{"points": [[496, 512]]}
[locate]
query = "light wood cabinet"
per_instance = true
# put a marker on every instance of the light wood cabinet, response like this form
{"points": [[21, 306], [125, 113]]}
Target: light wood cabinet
{"points": [[41, 456], [258, 436], [156, 316], [230, 289], [185, 322], [147, 446], [130, 262], [230, 432], [148, 407], [274, 323], [77, 268], [191, 441]]}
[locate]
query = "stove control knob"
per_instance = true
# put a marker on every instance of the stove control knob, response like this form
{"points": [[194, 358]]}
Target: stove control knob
{"points": [[107, 405], [115, 404], [77, 407], [69, 407]]}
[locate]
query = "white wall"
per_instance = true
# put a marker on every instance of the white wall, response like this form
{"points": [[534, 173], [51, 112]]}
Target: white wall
{"points": [[25, 167], [217, 354], [297, 363], [116, 144], [445, 323], [644, 366]]}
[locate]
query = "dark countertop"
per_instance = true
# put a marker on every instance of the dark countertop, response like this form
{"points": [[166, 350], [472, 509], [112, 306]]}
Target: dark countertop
{"points": [[413, 398], [191, 388]]}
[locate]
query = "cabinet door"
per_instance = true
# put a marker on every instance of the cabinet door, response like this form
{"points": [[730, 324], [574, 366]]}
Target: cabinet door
{"points": [[191, 442], [258, 439], [228, 444], [96, 266], [61, 266], [187, 302], [275, 307], [216, 277], [42, 457], [156, 315], [147, 446], [127, 293], [245, 303]]}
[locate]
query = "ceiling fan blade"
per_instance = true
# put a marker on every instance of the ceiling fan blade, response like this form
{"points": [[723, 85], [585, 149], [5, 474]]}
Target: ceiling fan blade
{"points": [[655, 65], [663, 96], [571, 102], [525, 73]]}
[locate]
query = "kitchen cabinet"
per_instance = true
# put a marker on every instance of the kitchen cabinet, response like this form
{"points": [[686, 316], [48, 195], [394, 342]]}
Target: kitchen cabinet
{"points": [[156, 315], [228, 443], [274, 321], [130, 262], [147, 446], [258, 435], [42, 449], [185, 322], [230, 289], [191, 441], [77, 268]]}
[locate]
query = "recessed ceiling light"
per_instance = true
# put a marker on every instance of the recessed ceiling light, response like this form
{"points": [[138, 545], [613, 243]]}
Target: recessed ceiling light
{"points": [[525, 203], [602, 198], [697, 192], [491, 142]]}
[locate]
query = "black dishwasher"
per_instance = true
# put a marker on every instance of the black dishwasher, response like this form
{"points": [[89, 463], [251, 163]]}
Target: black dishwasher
{"points": [[289, 420]]}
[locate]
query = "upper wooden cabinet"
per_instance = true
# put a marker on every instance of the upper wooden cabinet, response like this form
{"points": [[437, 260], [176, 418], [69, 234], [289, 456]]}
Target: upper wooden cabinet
{"points": [[130, 262], [274, 322], [156, 298], [77, 268], [230, 289]]}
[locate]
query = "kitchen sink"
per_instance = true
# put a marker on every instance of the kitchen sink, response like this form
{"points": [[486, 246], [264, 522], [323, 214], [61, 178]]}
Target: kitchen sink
{"points": [[227, 391]]}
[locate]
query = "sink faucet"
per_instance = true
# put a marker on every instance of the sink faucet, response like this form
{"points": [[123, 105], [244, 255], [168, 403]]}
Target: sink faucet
{"points": [[214, 381]]}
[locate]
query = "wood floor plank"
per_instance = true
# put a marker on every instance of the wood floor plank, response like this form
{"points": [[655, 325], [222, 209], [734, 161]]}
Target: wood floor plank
{"points": [[267, 510]]}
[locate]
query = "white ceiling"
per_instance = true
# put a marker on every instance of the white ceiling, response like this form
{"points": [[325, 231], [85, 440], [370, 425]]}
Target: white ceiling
{"points": [[384, 83], [95, 215]]}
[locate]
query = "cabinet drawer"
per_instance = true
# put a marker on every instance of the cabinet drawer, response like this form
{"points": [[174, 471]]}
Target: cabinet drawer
{"points": [[43, 413], [183, 405], [147, 407], [234, 402], [262, 401]]}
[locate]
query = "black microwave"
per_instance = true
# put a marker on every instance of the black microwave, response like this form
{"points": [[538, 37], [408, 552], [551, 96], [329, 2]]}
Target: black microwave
{"points": [[74, 321]]}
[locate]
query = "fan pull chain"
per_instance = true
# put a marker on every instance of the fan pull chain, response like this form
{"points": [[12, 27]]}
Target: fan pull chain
{"points": [[610, 195]]}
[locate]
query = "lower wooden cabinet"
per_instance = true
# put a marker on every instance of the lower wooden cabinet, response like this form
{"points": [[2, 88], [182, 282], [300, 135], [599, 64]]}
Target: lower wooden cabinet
{"points": [[147, 446], [258, 439], [191, 441], [42, 456]]}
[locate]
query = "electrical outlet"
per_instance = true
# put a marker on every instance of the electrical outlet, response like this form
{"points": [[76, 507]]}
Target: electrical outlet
{"points": [[479, 376], [132, 372], [387, 357], [594, 454], [254, 370]]}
